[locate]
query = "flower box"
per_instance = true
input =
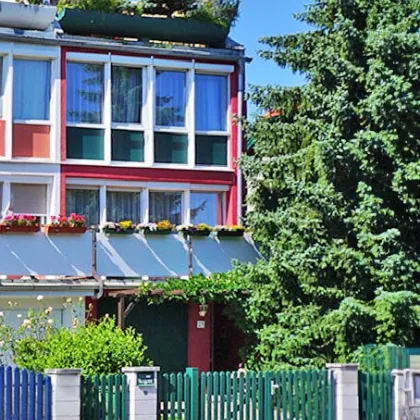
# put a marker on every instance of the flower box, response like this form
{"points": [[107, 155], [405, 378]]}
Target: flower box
{"points": [[157, 232], [18, 229], [108, 231], [229, 233], [195, 232], [57, 230]]}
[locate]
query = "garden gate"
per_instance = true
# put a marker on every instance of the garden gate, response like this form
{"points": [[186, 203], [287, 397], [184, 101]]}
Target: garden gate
{"points": [[24, 395], [104, 397], [247, 396]]}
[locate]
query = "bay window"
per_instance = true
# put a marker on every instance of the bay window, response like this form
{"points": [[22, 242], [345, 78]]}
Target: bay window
{"points": [[84, 202], [31, 89], [211, 105], [165, 206], [206, 207], [123, 205], [85, 102]]}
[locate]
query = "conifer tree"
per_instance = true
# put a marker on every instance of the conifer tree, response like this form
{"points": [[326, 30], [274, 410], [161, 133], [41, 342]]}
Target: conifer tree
{"points": [[334, 186]]}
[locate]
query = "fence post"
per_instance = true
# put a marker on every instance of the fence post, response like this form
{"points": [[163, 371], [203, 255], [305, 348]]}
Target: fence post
{"points": [[192, 373], [346, 380], [142, 392], [65, 384], [398, 395]]}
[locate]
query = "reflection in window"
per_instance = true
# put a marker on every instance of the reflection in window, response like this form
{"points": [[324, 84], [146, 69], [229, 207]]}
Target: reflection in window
{"points": [[170, 98], [165, 206], [85, 93], [31, 89], [211, 102], [123, 205], [126, 94], [206, 208], [85, 203]]}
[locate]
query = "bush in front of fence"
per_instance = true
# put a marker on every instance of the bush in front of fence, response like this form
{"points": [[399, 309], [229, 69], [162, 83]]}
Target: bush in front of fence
{"points": [[97, 348]]}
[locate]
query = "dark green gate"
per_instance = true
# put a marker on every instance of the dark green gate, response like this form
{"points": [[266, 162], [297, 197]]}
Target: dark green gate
{"points": [[247, 396], [104, 397]]}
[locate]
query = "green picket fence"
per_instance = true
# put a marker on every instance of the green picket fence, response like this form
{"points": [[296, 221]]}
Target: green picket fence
{"points": [[375, 395], [247, 396], [104, 397]]}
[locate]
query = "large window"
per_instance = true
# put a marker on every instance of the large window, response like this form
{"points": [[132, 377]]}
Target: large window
{"points": [[85, 203], [165, 206], [28, 199], [135, 110], [31, 89], [211, 105], [85, 98], [170, 98], [122, 205], [127, 103], [206, 207]]}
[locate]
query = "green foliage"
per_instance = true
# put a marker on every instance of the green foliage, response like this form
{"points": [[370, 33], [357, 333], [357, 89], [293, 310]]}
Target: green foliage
{"points": [[334, 187], [97, 348], [199, 289], [221, 12], [377, 358]]}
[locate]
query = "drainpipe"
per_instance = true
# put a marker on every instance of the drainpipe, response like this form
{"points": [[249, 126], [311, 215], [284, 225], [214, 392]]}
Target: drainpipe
{"points": [[190, 255], [99, 279], [241, 90]]}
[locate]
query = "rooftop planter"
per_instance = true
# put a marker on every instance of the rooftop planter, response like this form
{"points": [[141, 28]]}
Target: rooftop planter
{"points": [[186, 30], [26, 16]]}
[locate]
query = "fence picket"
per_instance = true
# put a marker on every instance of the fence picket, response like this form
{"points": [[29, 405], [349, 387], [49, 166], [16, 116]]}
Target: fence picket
{"points": [[40, 395]]}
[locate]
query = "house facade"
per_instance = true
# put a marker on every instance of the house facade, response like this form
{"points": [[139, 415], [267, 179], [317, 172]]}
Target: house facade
{"points": [[114, 129]]}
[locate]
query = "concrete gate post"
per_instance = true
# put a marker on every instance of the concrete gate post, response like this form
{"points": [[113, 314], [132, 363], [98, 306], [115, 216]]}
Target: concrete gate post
{"points": [[142, 392], [346, 378], [65, 384]]}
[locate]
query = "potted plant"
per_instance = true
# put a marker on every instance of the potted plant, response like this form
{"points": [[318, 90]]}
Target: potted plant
{"points": [[164, 227], [19, 223], [125, 227], [195, 230], [229, 230], [74, 224]]}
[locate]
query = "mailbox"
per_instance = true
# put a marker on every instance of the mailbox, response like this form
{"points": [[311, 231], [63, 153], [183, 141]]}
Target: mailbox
{"points": [[145, 379]]}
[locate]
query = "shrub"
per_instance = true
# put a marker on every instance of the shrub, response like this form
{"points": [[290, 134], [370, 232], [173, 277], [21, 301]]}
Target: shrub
{"points": [[97, 348]]}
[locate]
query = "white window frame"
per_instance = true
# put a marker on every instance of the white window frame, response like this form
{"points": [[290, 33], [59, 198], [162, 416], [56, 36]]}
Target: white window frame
{"points": [[149, 66], [9, 52], [144, 188]]}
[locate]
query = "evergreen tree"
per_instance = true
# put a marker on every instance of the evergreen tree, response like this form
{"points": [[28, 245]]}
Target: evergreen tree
{"points": [[334, 197]]}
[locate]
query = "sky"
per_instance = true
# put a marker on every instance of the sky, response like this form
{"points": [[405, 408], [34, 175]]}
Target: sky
{"points": [[259, 18]]}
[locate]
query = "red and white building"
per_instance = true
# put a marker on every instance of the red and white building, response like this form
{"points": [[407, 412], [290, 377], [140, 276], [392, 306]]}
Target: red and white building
{"points": [[117, 129]]}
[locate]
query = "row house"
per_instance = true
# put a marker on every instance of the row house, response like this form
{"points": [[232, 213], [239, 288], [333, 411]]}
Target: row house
{"points": [[116, 128]]}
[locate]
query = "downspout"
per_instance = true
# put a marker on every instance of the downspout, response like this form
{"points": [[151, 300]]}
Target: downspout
{"points": [[241, 89], [95, 275]]}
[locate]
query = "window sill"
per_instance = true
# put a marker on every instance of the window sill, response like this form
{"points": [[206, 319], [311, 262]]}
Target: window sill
{"points": [[28, 160], [117, 164], [33, 122]]}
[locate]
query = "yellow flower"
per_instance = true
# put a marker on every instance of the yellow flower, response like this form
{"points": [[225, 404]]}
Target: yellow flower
{"points": [[126, 224], [165, 225]]}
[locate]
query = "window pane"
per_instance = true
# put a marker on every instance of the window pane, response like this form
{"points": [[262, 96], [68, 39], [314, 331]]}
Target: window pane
{"points": [[28, 198], [126, 94], [85, 203], [31, 89], [170, 98], [211, 150], [85, 92], [85, 143], [127, 146], [211, 102], [165, 206], [171, 148], [123, 206], [206, 208]]}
